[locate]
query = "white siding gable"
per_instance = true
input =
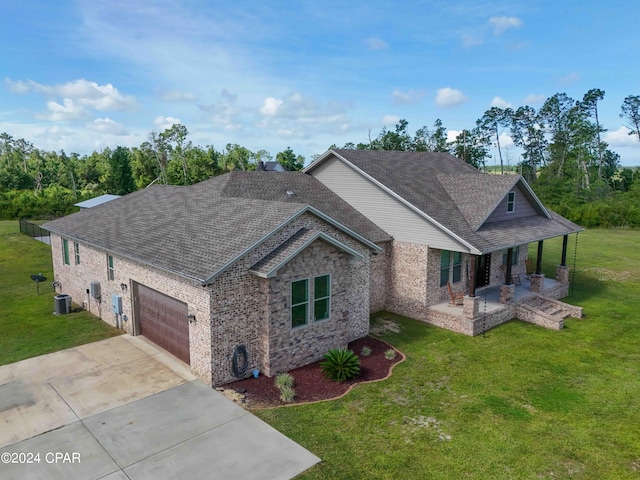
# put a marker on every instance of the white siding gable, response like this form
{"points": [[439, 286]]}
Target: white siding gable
{"points": [[393, 216]]}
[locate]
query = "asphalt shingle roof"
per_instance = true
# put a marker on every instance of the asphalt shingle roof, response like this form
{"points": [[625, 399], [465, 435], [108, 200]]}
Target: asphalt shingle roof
{"points": [[456, 195], [197, 230]]}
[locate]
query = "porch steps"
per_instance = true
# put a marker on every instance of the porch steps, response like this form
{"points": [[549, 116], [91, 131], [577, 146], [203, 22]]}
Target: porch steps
{"points": [[546, 312]]}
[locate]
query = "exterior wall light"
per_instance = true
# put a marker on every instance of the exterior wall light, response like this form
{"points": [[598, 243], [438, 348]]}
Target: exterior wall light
{"points": [[191, 318]]}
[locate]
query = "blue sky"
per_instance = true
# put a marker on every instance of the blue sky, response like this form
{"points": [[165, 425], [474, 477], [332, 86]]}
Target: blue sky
{"points": [[82, 75]]}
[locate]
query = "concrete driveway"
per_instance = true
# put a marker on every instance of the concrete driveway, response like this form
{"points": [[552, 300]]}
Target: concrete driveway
{"points": [[122, 409]]}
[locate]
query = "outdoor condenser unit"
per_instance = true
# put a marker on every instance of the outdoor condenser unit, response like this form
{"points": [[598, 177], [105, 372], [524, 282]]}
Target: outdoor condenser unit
{"points": [[62, 304], [94, 289]]}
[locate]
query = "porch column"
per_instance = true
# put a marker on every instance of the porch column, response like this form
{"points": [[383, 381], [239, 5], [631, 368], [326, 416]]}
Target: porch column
{"points": [[562, 271], [507, 273], [563, 261], [472, 275], [539, 259], [537, 279]]}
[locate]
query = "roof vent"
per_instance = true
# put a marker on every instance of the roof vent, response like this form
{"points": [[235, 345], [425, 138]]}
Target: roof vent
{"points": [[290, 193]]}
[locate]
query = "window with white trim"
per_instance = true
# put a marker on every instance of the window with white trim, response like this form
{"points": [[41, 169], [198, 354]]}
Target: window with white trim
{"points": [[511, 202]]}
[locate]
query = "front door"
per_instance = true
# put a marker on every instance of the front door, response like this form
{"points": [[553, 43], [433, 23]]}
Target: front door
{"points": [[483, 270]]}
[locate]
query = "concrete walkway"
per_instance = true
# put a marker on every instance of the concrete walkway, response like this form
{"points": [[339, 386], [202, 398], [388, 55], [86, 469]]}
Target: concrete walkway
{"points": [[124, 409]]}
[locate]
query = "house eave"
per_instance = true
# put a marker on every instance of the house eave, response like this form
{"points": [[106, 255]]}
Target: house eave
{"points": [[125, 255], [272, 272], [307, 208]]}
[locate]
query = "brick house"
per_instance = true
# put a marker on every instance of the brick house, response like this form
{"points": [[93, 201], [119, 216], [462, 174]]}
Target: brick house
{"points": [[291, 264], [246, 258], [452, 224]]}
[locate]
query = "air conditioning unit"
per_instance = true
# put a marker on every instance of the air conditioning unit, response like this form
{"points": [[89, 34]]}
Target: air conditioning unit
{"points": [[62, 304]]}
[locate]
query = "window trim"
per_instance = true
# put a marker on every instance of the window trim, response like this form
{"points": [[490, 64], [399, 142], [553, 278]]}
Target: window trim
{"points": [[65, 252], [453, 268], [443, 268], [511, 201], [327, 298], [306, 302], [111, 269], [76, 252], [515, 257], [456, 267]]}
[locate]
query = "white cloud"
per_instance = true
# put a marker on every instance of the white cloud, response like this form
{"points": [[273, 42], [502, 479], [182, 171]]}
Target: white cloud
{"points": [[505, 141], [286, 133], [69, 110], [375, 43], [449, 97], [452, 134], [390, 120], [569, 79], [84, 93], [501, 24], [176, 96], [408, 97], [620, 138], [233, 127], [107, 126], [270, 106], [533, 99], [500, 103], [163, 123], [299, 116]]}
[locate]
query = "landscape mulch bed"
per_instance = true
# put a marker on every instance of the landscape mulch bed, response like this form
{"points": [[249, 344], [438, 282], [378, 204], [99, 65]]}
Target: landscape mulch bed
{"points": [[310, 384]]}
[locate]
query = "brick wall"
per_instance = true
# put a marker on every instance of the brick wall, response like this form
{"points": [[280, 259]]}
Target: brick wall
{"points": [[75, 279], [379, 276], [249, 310], [349, 310]]}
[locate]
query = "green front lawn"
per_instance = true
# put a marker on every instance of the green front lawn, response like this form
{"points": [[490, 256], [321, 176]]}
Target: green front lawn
{"points": [[27, 324], [520, 402]]}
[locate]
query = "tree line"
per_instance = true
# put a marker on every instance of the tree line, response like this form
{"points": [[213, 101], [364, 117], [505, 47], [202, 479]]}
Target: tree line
{"points": [[563, 157]]}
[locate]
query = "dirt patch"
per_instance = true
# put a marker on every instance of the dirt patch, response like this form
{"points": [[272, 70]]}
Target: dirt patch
{"points": [[310, 383], [605, 274], [384, 325]]}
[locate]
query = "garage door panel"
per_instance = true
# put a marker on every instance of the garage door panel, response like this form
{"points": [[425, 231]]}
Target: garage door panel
{"points": [[163, 320]]}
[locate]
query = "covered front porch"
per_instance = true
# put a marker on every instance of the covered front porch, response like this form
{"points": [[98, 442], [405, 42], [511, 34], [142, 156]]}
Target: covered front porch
{"points": [[528, 296]]}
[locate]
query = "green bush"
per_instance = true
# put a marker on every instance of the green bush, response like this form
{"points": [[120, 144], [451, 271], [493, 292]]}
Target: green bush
{"points": [[283, 380], [365, 351], [287, 393], [340, 364], [390, 354]]}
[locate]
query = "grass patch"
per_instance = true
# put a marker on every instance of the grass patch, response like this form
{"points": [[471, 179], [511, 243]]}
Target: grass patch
{"points": [[520, 402], [27, 325]]}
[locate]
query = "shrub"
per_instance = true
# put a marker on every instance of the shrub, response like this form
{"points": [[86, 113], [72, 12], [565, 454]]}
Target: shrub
{"points": [[390, 354], [287, 393], [283, 380], [365, 351], [340, 364]]}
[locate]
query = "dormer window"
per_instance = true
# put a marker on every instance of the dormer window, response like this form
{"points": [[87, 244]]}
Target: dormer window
{"points": [[511, 201]]}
